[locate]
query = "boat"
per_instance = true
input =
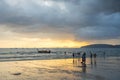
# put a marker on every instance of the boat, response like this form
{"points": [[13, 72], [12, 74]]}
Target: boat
{"points": [[43, 51]]}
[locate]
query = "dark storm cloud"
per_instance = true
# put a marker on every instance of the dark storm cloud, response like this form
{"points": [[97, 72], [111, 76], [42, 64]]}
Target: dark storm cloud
{"points": [[85, 19]]}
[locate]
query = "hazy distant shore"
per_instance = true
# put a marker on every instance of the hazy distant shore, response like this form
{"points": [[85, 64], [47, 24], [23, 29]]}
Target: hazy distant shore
{"points": [[101, 46]]}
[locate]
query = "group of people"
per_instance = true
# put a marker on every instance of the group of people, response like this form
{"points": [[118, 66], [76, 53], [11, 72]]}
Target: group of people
{"points": [[84, 56]]}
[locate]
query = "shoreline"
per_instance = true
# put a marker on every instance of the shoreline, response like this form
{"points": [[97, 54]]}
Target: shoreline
{"points": [[56, 58], [60, 69]]}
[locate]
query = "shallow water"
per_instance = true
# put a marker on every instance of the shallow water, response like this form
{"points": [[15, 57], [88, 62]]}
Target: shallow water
{"points": [[62, 69]]}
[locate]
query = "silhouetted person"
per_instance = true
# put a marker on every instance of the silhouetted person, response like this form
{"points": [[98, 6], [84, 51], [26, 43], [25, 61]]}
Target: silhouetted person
{"points": [[95, 55], [91, 62], [73, 55], [91, 55], [104, 54], [84, 58], [91, 58], [65, 52]]}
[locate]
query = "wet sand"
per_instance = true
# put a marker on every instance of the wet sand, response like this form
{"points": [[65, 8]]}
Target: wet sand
{"points": [[61, 69]]}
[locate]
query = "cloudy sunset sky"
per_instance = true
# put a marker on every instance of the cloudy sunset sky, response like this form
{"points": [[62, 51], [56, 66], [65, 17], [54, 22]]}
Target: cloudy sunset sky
{"points": [[59, 23]]}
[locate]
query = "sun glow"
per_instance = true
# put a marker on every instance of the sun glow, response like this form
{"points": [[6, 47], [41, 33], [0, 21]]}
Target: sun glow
{"points": [[41, 43]]}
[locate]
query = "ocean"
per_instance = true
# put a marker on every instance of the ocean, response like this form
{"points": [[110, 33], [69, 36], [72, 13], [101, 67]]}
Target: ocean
{"points": [[13, 54]]}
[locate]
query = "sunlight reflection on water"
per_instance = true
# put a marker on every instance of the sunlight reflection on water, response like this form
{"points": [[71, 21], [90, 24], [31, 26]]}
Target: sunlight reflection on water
{"points": [[60, 69]]}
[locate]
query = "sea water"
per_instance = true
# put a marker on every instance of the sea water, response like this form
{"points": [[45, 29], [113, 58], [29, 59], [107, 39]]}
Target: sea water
{"points": [[9, 54]]}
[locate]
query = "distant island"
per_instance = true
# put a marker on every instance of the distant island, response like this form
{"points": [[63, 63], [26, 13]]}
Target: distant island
{"points": [[101, 46]]}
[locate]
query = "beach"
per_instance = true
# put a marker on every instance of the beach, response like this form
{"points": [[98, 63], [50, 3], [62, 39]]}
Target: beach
{"points": [[59, 39], [61, 69]]}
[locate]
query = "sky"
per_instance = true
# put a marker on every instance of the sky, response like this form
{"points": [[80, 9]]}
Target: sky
{"points": [[59, 23]]}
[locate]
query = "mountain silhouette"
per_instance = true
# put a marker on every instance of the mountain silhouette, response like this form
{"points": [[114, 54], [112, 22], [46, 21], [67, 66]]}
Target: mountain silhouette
{"points": [[101, 46]]}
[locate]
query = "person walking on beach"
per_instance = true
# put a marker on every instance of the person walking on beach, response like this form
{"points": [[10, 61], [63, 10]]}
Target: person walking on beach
{"points": [[84, 58]]}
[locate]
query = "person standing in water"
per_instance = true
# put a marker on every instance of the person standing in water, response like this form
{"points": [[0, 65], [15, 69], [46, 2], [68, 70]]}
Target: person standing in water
{"points": [[73, 55], [104, 55], [95, 55], [84, 58], [91, 55]]}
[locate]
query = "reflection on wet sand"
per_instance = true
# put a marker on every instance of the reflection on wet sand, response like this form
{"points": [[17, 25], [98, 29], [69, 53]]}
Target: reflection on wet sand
{"points": [[93, 62], [83, 67], [77, 63], [59, 69]]}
